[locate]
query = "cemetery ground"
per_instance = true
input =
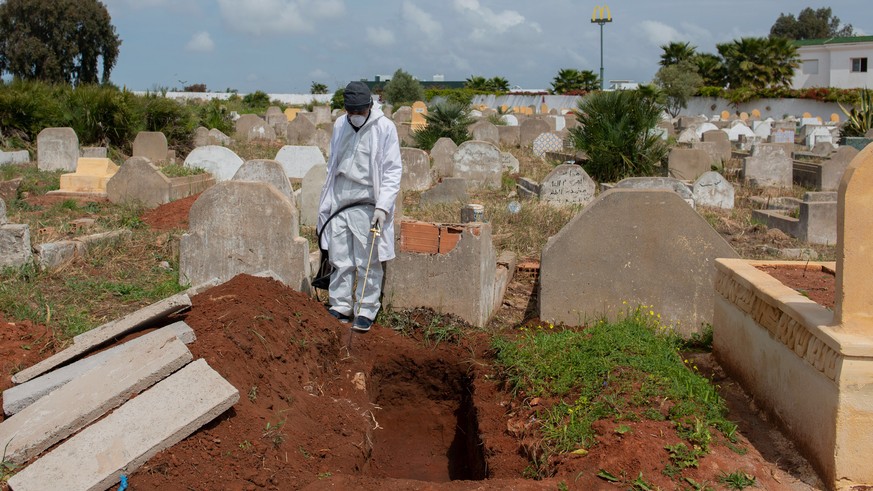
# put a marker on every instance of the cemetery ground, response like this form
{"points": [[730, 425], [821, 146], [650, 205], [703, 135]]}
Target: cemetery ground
{"points": [[620, 405]]}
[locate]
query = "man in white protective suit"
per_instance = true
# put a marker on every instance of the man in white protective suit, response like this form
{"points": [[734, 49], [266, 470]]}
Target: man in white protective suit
{"points": [[364, 166]]}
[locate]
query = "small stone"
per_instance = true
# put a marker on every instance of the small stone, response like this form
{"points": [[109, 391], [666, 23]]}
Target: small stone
{"points": [[165, 266]]}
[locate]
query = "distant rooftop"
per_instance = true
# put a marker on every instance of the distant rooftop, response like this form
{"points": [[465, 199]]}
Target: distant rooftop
{"points": [[820, 42]]}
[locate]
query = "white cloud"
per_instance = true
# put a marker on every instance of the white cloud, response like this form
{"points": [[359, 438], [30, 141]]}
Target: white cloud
{"points": [[489, 23], [318, 74], [659, 33], [201, 41], [423, 21], [380, 36], [264, 17]]}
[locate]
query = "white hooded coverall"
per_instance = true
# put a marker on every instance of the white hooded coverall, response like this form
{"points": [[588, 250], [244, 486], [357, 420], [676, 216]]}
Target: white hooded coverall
{"points": [[363, 165]]}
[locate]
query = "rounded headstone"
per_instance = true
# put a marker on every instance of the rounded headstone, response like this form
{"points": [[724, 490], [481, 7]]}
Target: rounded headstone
{"points": [[57, 149], [297, 159], [310, 192], [442, 154], [480, 163], [530, 129], [264, 170], [567, 184], [416, 170], [714, 191], [251, 127], [219, 161]]}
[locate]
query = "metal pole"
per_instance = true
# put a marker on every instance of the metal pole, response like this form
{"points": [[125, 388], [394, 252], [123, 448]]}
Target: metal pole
{"points": [[601, 57]]}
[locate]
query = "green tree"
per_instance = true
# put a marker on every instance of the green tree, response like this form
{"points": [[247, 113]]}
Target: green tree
{"points": [[571, 80], [57, 41], [498, 84], [616, 131], [676, 52], [446, 119], [256, 101], [758, 63], [678, 82], [476, 82], [317, 88], [710, 68], [402, 88], [810, 24], [339, 98]]}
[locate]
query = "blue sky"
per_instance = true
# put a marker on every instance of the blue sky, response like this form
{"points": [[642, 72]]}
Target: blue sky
{"points": [[282, 46]]}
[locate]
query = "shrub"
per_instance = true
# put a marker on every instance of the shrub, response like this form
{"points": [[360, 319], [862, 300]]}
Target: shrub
{"points": [[860, 118], [616, 132], [28, 107], [338, 100], [257, 101], [174, 119], [445, 119], [104, 115], [402, 88], [214, 114]]}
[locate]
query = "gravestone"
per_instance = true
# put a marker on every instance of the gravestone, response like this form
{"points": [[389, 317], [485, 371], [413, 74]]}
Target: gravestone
{"points": [[268, 171], [819, 135], [15, 157], [91, 176], [688, 163], [762, 129], [243, 227], [702, 128], [138, 181], [322, 115], [442, 154], [639, 247], [300, 131], [722, 145], [15, 248], [250, 127], [419, 111], [530, 129], [714, 191], [216, 137], [510, 163], [547, 142], [509, 119], [291, 113], [483, 130], [219, 161], [151, 145], [449, 190], [310, 192], [479, 163], [322, 141], [57, 149], [403, 115], [297, 160], [567, 184], [657, 183], [822, 149], [782, 136], [201, 137], [768, 165], [509, 135], [94, 152], [832, 170], [274, 116], [556, 123], [416, 170], [738, 130], [688, 135]]}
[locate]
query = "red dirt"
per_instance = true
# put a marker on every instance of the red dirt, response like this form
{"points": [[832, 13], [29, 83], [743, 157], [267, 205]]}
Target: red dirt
{"points": [[173, 215], [819, 285]]}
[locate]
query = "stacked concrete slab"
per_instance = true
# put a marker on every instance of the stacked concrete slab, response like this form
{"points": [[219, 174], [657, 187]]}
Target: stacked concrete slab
{"points": [[816, 220]]}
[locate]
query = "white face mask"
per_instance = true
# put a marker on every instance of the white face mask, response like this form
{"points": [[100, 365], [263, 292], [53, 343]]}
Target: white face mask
{"points": [[357, 120]]}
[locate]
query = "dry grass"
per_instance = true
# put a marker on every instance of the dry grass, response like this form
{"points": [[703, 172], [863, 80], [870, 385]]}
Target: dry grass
{"points": [[258, 149]]}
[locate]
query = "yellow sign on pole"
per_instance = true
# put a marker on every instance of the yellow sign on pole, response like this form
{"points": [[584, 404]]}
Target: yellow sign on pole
{"points": [[597, 15]]}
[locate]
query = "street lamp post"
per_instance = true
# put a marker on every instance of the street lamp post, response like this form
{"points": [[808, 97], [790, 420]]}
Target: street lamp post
{"points": [[598, 17]]}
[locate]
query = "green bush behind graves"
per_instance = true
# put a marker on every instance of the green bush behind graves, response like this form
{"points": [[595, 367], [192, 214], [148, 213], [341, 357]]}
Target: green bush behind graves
{"points": [[445, 119]]}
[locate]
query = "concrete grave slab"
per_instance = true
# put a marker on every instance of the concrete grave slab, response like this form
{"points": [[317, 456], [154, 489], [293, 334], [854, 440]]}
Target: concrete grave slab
{"points": [[57, 149], [721, 143], [9, 189], [834, 168], [530, 129], [123, 441], [652, 183], [151, 145], [83, 400], [91, 176], [310, 192], [510, 163], [14, 157], [484, 130], [250, 127], [509, 119], [90, 340], [714, 191], [20, 396], [479, 163], [442, 154], [216, 137], [416, 170], [509, 135], [138, 181], [219, 161], [201, 137], [298, 159], [243, 227], [449, 190], [688, 163], [643, 247], [547, 142], [15, 245], [768, 165], [268, 171], [567, 184]]}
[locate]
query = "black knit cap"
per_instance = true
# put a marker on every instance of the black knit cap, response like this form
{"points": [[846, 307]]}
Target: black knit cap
{"points": [[357, 96]]}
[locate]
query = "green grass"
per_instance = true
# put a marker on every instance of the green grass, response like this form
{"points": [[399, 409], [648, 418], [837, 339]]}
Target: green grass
{"points": [[433, 327], [622, 370], [737, 480], [33, 180], [178, 170]]}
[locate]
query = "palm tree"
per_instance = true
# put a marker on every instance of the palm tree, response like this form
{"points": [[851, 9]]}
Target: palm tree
{"points": [[476, 82], [450, 119], [676, 52], [710, 68], [570, 80], [757, 63], [497, 84]]}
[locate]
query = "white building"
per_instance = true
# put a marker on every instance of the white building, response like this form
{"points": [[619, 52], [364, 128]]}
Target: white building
{"points": [[834, 62]]}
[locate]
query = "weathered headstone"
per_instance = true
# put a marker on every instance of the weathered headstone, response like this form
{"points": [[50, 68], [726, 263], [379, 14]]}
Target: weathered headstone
{"points": [[449, 190], [151, 145], [688, 163], [547, 142], [94, 152], [274, 115], [322, 141], [714, 191], [567, 184], [483, 130], [782, 136], [14, 157], [416, 169], [297, 160], [300, 131], [251, 127], [310, 191], [818, 135], [688, 135], [14, 243], [657, 183], [57, 149], [530, 129], [419, 111], [509, 119], [216, 137], [510, 163], [322, 115], [768, 165], [243, 227], [722, 145], [442, 154], [403, 114], [221, 162], [201, 137], [268, 171], [640, 247], [762, 129], [509, 135], [832, 170], [479, 163], [702, 128]]}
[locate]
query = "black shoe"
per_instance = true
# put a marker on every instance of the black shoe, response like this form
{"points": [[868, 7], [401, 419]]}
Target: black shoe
{"points": [[361, 324], [345, 319]]}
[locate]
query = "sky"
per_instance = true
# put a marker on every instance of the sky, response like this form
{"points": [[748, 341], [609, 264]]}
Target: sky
{"points": [[282, 46]]}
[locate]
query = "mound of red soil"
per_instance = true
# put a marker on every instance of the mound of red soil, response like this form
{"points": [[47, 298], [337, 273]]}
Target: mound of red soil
{"points": [[171, 216], [818, 285]]}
